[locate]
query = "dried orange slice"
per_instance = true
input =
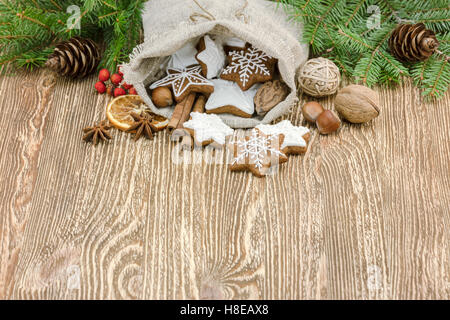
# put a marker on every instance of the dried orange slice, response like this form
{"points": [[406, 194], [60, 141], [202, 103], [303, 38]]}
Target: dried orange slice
{"points": [[119, 112]]}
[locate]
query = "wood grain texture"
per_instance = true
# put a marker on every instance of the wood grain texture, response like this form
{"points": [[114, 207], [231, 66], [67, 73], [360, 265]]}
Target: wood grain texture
{"points": [[363, 215]]}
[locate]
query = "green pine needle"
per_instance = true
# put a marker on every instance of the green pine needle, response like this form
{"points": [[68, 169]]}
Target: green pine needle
{"points": [[347, 32], [28, 28]]}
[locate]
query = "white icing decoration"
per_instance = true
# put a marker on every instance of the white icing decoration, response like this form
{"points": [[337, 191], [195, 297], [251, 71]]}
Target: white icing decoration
{"points": [[247, 63], [228, 93], [251, 93], [293, 136], [213, 57], [235, 42], [208, 127], [255, 149], [181, 79], [184, 57]]}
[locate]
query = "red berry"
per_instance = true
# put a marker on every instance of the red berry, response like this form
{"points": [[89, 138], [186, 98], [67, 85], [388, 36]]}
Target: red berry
{"points": [[119, 92], [120, 72], [100, 87], [103, 75], [127, 86], [116, 79], [132, 91]]}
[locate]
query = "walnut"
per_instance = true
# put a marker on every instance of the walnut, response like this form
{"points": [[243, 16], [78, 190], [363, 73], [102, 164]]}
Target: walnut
{"points": [[357, 104], [269, 95]]}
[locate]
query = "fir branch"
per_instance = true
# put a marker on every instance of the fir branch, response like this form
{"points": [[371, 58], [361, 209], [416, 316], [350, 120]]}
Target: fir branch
{"points": [[354, 12], [56, 5], [22, 15], [321, 19], [338, 30], [434, 91]]}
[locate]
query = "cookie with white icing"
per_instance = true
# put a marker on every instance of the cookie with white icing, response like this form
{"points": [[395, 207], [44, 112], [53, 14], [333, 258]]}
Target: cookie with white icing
{"points": [[184, 57], [249, 66], [229, 98], [211, 57], [295, 138], [257, 152], [184, 81], [208, 129], [234, 44]]}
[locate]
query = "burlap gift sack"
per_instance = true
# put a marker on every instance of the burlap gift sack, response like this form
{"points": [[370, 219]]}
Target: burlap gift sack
{"points": [[170, 24]]}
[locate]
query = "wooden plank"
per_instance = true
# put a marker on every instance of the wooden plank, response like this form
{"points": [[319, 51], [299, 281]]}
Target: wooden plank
{"points": [[363, 215]]}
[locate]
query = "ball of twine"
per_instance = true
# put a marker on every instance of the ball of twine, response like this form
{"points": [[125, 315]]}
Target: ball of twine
{"points": [[319, 77]]}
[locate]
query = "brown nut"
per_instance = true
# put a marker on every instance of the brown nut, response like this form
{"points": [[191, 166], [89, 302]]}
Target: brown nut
{"points": [[162, 97], [311, 110], [357, 104], [328, 122]]}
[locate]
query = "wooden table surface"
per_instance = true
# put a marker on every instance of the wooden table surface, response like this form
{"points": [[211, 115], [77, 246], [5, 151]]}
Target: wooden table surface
{"points": [[363, 215]]}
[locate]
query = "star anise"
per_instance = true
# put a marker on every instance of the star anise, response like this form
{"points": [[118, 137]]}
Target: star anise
{"points": [[142, 125], [97, 132]]}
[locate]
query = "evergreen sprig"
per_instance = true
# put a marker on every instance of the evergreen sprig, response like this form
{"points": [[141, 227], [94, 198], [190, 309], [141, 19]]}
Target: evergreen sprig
{"points": [[347, 32], [29, 29]]}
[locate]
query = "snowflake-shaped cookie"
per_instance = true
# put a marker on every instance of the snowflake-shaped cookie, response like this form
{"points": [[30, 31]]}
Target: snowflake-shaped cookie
{"points": [[207, 129], [184, 81], [295, 138], [210, 57], [257, 153], [249, 66]]}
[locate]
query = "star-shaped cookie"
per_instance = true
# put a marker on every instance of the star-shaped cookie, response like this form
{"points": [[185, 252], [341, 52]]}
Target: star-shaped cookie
{"points": [[184, 57], [184, 81], [210, 57], [229, 98], [208, 129], [295, 138], [257, 153], [249, 66]]}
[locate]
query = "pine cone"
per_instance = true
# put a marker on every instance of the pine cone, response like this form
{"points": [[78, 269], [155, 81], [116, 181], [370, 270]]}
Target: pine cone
{"points": [[413, 42], [77, 57]]}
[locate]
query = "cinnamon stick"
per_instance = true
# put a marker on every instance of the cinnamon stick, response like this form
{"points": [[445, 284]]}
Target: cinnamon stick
{"points": [[199, 105], [181, 109], [189, 104], [173, 123]]}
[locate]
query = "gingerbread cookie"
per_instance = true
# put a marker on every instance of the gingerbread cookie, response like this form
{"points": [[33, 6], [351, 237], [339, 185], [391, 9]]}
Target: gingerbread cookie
{"points": [[295, 138], [257, 153], [208, 129], [211, 57], [234, 44], [184, 81], [229, 98], [184, 57], [249, 66]]}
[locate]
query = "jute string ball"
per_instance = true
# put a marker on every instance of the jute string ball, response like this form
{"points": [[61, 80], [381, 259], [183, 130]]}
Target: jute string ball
{"points": [[319, 77]]}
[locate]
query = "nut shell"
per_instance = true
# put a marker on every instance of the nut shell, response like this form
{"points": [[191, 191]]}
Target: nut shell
{"points": [[357, 104], [312, 110], [162, 97], [328, 122], [269, 95]]}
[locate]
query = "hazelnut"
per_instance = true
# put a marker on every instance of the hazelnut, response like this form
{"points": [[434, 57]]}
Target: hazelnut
{"points": [[311, 110], [357, 104], [328, 122], [162, 97]]}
